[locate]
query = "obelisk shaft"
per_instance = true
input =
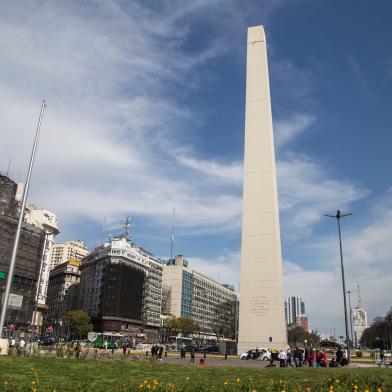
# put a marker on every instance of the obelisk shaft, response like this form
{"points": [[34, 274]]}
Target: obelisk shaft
{"points": [[261, 313]]}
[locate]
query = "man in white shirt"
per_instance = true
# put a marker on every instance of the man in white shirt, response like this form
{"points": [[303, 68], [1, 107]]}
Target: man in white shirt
{"points": [[282, 358]]}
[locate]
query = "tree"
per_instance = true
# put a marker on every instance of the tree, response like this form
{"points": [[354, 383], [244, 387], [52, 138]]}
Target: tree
{"points": [[186, 325], [296, 334], [224, 324], [79, 323], [379, 334]]}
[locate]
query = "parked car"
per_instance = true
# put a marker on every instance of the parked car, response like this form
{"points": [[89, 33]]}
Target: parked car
{"points": [[263, 354]]}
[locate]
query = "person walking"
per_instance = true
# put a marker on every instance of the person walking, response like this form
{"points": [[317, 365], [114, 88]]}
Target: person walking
{"points": [[192, 356], [282, 359], [289, 358], [78, 349], [21, 347], [182, 353]]}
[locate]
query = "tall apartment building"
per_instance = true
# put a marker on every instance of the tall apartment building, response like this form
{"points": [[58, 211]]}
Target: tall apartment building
{"points": [[293, 307], [63, 290], [28, 260], [46, 221], [191, 294], [121, 287], [61, 253]]}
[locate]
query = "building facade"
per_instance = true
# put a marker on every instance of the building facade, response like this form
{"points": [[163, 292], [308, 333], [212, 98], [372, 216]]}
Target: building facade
{"points": [[63, 291], [121, 287], [46, 221], [61, 253], [28, 260], [293, 307], [191, 294]]}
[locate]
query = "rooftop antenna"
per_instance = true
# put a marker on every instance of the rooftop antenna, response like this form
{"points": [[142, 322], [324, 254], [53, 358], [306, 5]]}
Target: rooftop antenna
{"points": [[172, 234], [103, 229], [126, 224]]}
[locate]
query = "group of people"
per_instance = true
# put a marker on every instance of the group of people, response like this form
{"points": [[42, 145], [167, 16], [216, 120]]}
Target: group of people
{"points": [[157, 351], [297, 357], [20, 346], [192, 354]]}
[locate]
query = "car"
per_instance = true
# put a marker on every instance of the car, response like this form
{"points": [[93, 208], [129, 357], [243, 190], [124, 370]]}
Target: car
{"points": [[263, 354]]}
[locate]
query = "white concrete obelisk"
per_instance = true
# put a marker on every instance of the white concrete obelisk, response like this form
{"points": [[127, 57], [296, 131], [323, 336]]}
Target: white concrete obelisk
{"points": [[261, 313]]}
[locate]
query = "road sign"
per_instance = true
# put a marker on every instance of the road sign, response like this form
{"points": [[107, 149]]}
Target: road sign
{"points": [[3, 275], [92, 336]]}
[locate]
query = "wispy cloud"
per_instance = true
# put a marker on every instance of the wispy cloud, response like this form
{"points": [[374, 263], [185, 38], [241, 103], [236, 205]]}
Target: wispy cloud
{"points": [[288, 129]]}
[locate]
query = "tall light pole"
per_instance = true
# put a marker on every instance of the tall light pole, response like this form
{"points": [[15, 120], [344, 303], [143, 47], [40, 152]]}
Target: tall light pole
{"points": [[339, 216], [10, 276], [351, 318]]}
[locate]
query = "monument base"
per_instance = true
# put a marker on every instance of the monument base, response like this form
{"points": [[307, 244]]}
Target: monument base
{"points": [[3, 346]]}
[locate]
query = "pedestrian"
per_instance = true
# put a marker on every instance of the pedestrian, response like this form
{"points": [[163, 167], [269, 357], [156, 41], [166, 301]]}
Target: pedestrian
{"points": [[160, 352], [300, 357], [382, 359], [22, 345], [306, 355], [78, 349], [296, 356], [124, 347], [182, 353], [282, 358], [105, 345], [192, 356], [339, 356], [289, 358]]}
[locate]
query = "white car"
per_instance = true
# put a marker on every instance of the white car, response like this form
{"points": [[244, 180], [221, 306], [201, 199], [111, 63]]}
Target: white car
{"points": [[264, 354]]}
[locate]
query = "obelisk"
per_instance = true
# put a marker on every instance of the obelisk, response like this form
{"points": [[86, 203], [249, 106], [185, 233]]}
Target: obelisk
{"points": [[261, 315]]}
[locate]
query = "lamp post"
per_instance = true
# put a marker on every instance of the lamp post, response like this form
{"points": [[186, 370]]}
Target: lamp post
{"points": [[339, 216], [10, 275], [351, 318]]}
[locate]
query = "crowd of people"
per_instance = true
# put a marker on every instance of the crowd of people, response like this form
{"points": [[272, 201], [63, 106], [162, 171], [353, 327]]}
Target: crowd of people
{"points": [[298, 357], [157, 351]]}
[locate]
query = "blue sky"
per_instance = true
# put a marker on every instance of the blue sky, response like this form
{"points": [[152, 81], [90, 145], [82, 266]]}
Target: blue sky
{"points": [[146, 113]]}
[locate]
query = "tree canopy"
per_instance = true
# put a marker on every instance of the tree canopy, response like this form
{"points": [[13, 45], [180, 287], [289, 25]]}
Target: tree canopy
{"points": [[186, 325], [297, 335], [79, 323], [379, 334]]}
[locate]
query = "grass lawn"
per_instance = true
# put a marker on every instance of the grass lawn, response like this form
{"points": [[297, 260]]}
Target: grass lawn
{"points": [[49, 374]]}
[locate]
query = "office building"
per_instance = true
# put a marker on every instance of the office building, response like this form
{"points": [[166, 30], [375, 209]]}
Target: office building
{"points": [[121, 287], [303, 322], [28, 260], [293, 307], [61, 253], [261, 314], [46, 221], [63, 291], [189, 293]]}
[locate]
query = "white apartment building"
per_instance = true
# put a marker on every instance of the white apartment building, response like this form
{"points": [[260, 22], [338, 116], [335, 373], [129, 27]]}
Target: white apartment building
{"points": [[47, 221], [192, 294], [121, 287], [68, 250]]}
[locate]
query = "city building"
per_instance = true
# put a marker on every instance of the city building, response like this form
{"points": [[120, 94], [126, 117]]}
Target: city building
{"points": [[188, 293], [261, 316], [46, 221], [121, 287], [293, 307], [302, 321], [359, 320], [22, 300], [61, 253], [63, 291]]}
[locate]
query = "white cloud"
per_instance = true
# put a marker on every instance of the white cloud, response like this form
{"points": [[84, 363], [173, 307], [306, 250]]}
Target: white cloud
{"points": [[288, 129]]}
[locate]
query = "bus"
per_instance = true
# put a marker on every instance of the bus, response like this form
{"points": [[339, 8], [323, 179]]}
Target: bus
{"points": [[111, 338]]}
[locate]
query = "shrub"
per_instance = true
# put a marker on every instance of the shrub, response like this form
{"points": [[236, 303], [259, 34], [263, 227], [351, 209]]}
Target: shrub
{"points": [[359, 354]]}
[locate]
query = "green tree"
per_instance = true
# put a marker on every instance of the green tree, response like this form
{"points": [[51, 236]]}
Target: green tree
{"points": [[186, 325], [296, 334], [79, 323], [224, 324]]}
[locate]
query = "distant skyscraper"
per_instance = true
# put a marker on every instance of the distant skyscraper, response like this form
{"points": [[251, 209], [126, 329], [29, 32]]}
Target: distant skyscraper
{"points": [[293, 307], [261, 313], [61, 253]]}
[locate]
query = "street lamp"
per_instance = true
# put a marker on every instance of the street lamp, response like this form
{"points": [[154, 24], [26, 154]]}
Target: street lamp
{"points": [[351, 318], [339, 216]]}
